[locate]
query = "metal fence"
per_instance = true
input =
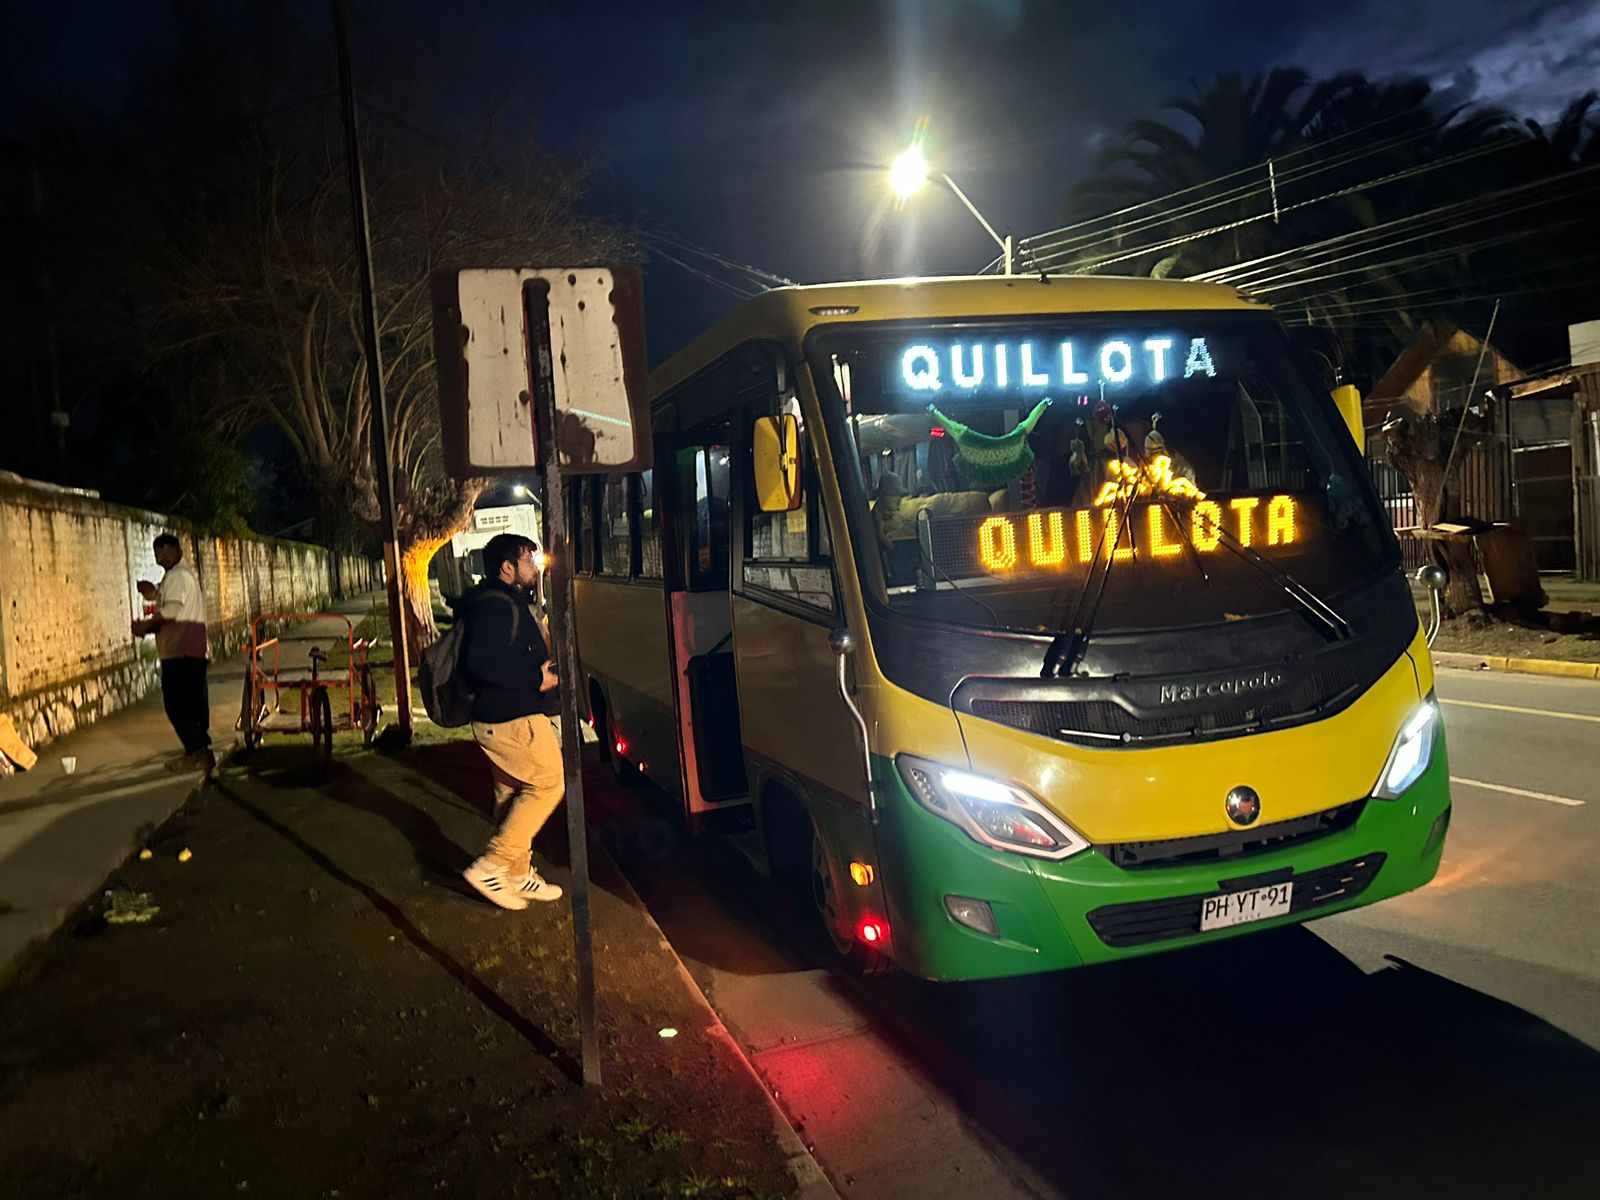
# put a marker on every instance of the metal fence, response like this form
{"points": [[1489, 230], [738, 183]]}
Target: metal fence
{"points": [[1482, 489], [1586, 500], [1395, 493]]}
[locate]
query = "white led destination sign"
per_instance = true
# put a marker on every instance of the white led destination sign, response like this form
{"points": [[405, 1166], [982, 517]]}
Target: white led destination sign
{"points": [[938, 367]]}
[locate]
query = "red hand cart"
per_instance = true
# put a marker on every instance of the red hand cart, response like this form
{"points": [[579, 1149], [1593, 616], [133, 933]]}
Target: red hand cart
{"points": [[311, 687]]}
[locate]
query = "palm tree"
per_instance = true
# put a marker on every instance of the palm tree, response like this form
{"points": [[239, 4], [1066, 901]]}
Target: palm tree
{"points": [[1574, 140], [1215, 153]]}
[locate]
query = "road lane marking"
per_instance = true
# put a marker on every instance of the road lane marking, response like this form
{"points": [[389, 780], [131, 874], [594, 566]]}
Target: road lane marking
{"points": [[1532, 712], [1511, 791]]}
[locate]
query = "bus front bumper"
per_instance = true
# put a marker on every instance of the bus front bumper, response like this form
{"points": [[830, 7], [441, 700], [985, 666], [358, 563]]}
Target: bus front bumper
{"points": [[1086, 909]]}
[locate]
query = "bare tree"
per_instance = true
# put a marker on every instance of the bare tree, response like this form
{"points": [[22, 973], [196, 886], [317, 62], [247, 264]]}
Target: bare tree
{"points": [[263, 279]]}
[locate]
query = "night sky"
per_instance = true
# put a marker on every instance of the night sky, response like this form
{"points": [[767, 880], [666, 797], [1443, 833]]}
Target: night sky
{"points": [[760, 130]]}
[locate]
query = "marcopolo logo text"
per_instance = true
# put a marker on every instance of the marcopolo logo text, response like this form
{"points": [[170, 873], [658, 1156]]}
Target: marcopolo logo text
{"points": [[1227, 687]]}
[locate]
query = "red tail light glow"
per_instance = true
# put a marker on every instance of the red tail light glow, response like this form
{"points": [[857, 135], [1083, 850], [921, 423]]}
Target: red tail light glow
{"points": [[872, 932]]}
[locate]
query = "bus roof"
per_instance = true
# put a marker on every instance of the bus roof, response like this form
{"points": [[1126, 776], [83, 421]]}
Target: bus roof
{"points": [[789, 313]]}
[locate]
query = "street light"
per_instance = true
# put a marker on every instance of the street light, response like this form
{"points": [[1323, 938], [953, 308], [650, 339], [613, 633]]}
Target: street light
{"points": [[909, 171]]}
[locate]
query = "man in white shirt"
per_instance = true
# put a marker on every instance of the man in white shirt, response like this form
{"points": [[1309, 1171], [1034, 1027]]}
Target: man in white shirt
{"points": [[179, 623]]}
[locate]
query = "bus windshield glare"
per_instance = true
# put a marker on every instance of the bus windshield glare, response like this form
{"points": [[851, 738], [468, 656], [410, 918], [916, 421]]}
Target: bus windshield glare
{"points": [[1000, 462]]}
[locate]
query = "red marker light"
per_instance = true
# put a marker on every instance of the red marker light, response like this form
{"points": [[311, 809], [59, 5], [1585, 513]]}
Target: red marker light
{"points": [[622, 746], [871, 932]]}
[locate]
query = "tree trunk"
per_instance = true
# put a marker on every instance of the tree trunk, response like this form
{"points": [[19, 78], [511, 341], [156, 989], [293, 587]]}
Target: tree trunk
{"points": [[421, 631], [1463, 594], [1416, 447], [420, 539]]}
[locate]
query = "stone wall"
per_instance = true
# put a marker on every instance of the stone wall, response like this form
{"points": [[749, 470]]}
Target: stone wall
{"points": [[68, 565]]}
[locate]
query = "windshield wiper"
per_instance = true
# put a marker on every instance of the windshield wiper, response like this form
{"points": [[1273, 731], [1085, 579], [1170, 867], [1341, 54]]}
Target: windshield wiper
{"points": [[1317, 610], [1067, 647]]}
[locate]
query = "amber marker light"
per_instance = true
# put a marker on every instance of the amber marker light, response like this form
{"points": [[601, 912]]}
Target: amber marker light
{"points": [[862, 873]]}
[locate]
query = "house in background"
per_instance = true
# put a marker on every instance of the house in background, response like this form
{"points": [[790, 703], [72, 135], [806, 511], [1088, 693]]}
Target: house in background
{"points": [[1519, 466], [1555, 453]]}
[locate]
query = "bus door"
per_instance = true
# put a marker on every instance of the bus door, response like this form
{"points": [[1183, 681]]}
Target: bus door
{"points": [[786, 603], [696, 550]]}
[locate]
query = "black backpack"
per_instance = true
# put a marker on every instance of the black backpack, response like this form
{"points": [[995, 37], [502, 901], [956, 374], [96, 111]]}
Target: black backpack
{"points": [[446, 694]]}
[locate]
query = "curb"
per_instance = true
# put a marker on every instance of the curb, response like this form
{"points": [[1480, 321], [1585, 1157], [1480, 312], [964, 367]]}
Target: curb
{"points": [[12, 968], [1523, 666], [810, 1179]]}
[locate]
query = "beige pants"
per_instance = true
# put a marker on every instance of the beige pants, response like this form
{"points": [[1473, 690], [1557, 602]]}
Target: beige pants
{"points": [[529, 782]]}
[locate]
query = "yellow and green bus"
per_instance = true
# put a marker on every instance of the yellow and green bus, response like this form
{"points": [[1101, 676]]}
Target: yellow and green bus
{"points": [[1027, 622]]}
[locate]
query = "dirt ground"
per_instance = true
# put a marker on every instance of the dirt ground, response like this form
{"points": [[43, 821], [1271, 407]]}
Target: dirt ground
{"points": [[1567, 599], [321, 1008], [1517, 641]]}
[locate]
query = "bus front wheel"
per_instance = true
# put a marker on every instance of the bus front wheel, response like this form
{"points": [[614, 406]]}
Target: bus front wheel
{"points": [[827, 893]]}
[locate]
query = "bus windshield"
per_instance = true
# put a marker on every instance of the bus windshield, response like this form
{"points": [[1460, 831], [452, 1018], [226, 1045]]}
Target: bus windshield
{"points": [[1007, 465]]}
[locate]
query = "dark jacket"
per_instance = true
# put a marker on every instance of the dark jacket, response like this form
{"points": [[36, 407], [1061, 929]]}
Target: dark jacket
{"points": [[504, 654]]}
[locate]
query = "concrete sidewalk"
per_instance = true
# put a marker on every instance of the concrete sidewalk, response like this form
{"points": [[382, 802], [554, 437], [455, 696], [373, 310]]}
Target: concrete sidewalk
{"points": [[61, 835]]}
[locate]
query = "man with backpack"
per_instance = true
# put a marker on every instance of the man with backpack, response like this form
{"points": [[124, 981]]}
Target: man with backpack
{"points": [[505, 664]]}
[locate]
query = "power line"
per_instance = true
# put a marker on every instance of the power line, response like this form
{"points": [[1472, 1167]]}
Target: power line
{"points": [[1393, 177], [722, 284], [1062, 247], [1344, 302], [682, 244], [1240, 273], [1320, 146]]}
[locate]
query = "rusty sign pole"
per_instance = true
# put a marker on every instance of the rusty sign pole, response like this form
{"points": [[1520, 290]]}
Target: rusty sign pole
{"points": [[382, 467], [536, 301]]}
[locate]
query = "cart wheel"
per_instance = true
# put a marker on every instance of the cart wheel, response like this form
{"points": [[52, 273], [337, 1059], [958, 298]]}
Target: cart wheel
{"points": [[370, 709], [249, 711], [322, 727]]}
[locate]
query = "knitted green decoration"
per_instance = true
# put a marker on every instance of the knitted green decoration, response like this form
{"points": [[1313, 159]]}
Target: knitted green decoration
{"points": [[992, 461]]}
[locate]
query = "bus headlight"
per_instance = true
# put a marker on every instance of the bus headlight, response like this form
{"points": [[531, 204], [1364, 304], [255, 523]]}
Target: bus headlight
{"points": [[992, 813], [1413, 750]]}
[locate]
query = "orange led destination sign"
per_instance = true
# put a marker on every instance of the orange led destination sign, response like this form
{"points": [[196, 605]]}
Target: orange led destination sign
{"points": [[1060, 539]]}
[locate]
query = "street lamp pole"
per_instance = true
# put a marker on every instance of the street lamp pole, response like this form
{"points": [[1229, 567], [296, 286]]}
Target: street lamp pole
{"points": [[909, 172], [1004, 243]]}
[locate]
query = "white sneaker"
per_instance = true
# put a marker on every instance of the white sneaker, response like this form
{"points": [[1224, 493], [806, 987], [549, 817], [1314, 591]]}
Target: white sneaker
{"points": [[494, 885], [533, 886]]}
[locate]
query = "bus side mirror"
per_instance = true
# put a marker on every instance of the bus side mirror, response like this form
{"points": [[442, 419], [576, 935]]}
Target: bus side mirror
{"points": [[1349, 401], [775, 452], [517, 347]]}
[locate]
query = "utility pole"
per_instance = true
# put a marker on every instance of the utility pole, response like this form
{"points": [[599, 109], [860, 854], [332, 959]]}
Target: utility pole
{"points": [[564, 648], [383, 468]]}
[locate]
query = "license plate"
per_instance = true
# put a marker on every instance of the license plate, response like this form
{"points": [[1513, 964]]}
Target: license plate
{"points": [[1240, 908]]}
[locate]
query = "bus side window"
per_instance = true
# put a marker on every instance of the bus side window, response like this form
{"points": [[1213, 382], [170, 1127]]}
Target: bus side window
{"points": [[649, 527], [616, 546], [703, 478], [791, 552], [582, 526]]}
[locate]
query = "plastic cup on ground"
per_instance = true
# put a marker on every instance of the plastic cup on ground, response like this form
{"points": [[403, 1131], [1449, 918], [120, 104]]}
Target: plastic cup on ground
{"points": [[69, 763]]}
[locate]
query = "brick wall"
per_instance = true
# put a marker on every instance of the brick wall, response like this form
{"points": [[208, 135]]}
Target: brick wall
{"points": [[68, 565]]}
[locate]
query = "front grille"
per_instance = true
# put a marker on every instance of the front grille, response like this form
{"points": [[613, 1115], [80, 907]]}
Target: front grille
{"points": [[1145, 921], [1235, 844], [1317, 694]]}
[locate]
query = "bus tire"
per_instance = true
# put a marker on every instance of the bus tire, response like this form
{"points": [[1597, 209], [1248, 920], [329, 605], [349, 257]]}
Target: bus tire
{"points": [[621, 768], [827, 893], [788, 834]]}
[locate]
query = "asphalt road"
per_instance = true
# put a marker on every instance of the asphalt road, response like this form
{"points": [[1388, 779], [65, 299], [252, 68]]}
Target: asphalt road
{"points": [[1446, 1042]]}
